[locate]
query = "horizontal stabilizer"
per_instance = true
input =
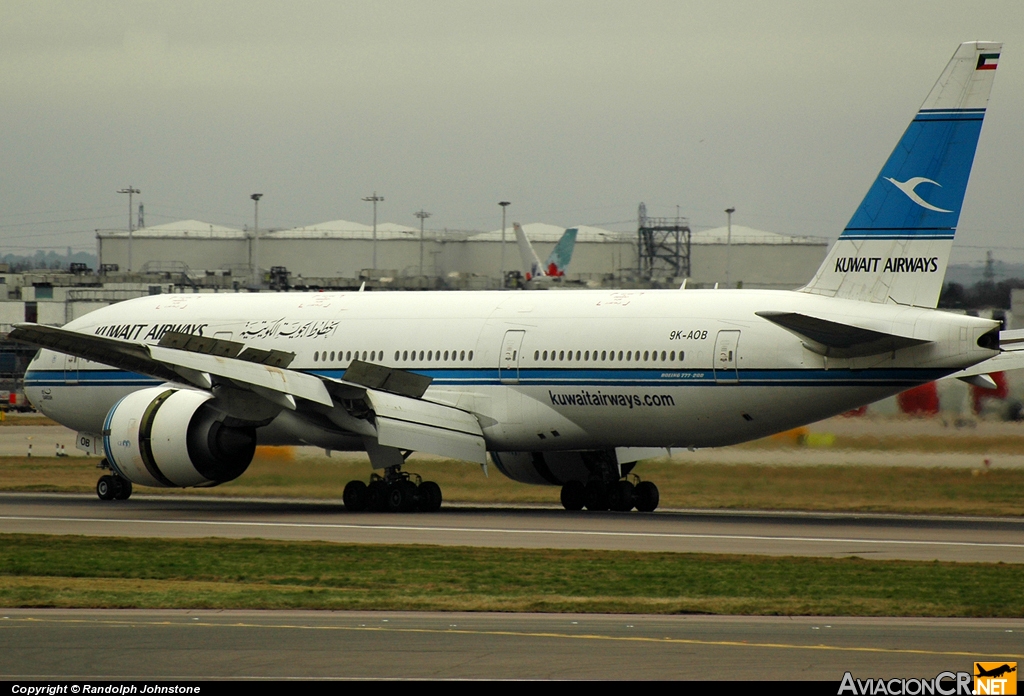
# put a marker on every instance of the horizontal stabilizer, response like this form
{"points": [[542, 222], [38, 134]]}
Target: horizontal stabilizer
{"points": [[983, 381], [838, 340], [1011, 360], [1012, 340]]}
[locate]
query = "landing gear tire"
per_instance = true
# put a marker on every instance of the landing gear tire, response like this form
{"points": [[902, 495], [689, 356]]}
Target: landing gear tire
{"points": [[106, 488], [402, 497], [620, 496], [573, 495], [122, 488], [646, 496], [377, 496], [595, 496], [355, 496], [430, 496]]}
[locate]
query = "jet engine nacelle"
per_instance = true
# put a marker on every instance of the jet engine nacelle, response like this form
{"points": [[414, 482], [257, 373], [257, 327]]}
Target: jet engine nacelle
{"points": [[171, 437], [544, 468]]}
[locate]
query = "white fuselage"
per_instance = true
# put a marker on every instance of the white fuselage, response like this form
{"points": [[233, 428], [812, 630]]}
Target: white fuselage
{"points": [[567, 370]]}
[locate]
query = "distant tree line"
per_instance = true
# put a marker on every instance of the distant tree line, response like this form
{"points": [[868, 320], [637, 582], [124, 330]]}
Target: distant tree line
{"points": [[46, 260], [981, 295]]}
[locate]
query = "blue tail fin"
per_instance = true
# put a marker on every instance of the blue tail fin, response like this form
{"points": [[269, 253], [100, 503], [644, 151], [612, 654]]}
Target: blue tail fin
{"points": [[561, 255], [896, 246]]}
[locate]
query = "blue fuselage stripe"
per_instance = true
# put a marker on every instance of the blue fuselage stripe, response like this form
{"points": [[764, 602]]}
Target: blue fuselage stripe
{"points": [[605, 377]]}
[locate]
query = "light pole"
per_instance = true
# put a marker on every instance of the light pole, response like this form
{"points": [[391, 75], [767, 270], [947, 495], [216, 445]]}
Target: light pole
{"points": [[504, 205], [130, 191], [256, 282], [374, 199], [422, 215], [728, 244]]}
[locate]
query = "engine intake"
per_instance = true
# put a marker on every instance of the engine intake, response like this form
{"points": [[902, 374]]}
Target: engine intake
{"points": [[173, 438]]}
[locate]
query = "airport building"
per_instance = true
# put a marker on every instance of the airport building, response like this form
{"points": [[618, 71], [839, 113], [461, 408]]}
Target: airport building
{"points": [[331, 253]]}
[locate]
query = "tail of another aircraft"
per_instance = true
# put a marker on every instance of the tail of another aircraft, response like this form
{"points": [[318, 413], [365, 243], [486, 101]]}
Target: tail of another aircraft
{"points": [[531, 262], [561, 255], [896, 247], [558, 260]]}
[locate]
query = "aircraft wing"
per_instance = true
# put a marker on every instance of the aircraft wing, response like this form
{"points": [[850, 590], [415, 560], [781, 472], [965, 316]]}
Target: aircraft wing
{"points": [[370, 400], [836, 339]]}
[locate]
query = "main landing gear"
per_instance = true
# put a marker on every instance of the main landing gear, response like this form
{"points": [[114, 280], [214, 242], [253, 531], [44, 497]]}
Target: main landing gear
{"points": [[111, 486], [619, 496], [394, 492]]}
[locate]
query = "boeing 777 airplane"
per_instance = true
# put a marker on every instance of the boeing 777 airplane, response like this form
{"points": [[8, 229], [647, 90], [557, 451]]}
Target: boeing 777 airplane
{"points": [[557, 261], [568, 389]]}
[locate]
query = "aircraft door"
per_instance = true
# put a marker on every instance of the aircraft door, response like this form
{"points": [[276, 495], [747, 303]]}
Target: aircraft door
{"points": [[70, 369], [726, 349], [508, 361]]}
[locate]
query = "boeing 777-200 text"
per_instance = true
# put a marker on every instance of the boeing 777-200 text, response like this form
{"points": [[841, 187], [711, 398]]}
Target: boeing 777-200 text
{"points": [[567, 388]]}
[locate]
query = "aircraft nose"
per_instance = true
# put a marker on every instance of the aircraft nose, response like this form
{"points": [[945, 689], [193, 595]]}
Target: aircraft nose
{"points": [[36, 389]]}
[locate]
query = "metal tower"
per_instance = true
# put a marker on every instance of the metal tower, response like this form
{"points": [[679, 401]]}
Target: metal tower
{"points": [[664, 245]]}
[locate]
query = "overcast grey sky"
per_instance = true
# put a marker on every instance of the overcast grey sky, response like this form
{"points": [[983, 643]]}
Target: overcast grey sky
{"points": [[574, 111]]}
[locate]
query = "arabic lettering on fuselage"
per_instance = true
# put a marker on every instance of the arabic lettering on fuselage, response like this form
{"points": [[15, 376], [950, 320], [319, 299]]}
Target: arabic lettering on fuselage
{"points": [[284, 328]]}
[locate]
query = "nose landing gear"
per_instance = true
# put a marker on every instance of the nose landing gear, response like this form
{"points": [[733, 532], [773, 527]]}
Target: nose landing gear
{"points": [[113, 488]]}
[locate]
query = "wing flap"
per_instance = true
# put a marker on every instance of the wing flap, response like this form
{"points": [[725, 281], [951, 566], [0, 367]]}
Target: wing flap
{"points": [[424, 426], [387, 379], [275, 379]]}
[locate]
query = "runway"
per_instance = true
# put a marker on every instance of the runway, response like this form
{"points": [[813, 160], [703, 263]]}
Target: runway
{"points": [[127, 645], [766, 533]]}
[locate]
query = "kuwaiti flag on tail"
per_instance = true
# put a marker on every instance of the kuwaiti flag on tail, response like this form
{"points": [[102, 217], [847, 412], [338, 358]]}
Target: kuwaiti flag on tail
{"points": [[988, 61]]}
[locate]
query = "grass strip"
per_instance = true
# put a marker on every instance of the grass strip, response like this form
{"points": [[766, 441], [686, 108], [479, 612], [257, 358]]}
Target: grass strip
{"points": [[74, 571], [709, 486]]}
